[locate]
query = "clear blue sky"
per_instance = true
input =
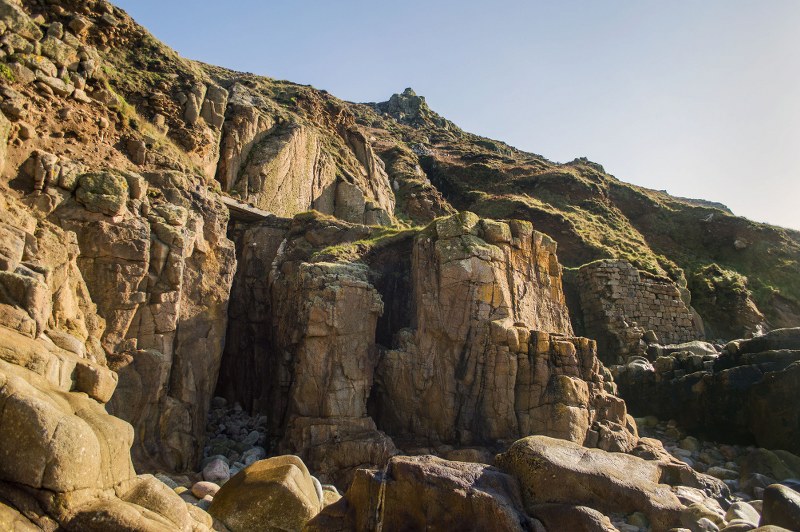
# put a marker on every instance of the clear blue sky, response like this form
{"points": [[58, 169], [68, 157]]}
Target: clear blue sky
{"points": [[701, 98]]}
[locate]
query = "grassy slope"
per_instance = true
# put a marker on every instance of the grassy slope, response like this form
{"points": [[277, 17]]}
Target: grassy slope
{"points": [[591, 214]]}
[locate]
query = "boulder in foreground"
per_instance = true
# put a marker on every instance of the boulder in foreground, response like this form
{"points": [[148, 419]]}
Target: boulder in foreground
{"points": [[561, 472], [273, 494], [781, 507], [428, 493]]}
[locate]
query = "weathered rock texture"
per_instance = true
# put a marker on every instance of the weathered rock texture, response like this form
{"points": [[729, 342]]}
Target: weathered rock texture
{"points": [[273, 494], [746, 393], [320, 373], [302, 336], [116, 270], [334, 313], [557, 471], [160, 269], [286, 167], [726, 303], [619, 304], [426, 492], [63, 458], [487, 298], [538, 480]]}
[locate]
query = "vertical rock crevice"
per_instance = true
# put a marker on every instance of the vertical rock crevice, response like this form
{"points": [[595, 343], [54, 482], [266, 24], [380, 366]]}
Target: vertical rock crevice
{"points": [[337, 333]]}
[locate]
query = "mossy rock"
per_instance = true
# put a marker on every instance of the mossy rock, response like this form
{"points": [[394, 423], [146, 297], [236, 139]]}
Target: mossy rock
{"points": [[463, 223], [60, 52], [496, 232], [106, 193], [19, 22]]}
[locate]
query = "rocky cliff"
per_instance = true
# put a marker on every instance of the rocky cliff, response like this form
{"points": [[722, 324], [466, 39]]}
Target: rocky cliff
{"points": [[481, 333], [354, 283]]}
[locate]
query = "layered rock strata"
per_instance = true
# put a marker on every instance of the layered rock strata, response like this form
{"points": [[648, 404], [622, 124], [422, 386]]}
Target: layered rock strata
{"points": [[320, 374], [744, 393], [64, 461]]}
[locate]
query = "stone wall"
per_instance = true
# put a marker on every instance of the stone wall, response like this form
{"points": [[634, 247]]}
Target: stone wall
{"points": [[620, 304]]}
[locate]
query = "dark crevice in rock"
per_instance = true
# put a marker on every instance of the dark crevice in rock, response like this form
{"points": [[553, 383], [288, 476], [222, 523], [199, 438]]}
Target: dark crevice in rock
{"points": [[391, 270], [247, 359]]}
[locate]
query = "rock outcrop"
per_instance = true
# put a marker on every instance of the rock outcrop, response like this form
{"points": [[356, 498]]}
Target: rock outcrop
{"points": [[284, 167], [286, 172], [335, 312], [159, 266], [63, 459], [744, 393], [314, 353], [727, 304], [426, 492], [487, 344], [327, 384]]}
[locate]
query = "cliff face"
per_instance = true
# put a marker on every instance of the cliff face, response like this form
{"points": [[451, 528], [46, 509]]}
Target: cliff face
{"points": [[594, 216], [63, 459], [172, 230], [482, 337], [154, 257], [478, 288]]}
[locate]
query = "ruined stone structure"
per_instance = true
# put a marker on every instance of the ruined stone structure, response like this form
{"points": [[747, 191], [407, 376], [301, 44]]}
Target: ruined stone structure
{"points": [[178, 238], [620, 303]]}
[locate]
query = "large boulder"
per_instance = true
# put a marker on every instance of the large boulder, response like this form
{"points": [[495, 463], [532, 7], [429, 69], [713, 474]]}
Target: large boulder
{"points": [[115, 514], [557, 471], [12, 520], [761, 467], [65, 461], [781, 507], [428, 493], [572, 518], [18, 21], [58, 442], [273, 494]]}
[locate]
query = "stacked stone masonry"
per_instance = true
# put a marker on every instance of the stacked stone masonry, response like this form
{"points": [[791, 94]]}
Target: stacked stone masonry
{"points": [[620, 303]]}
